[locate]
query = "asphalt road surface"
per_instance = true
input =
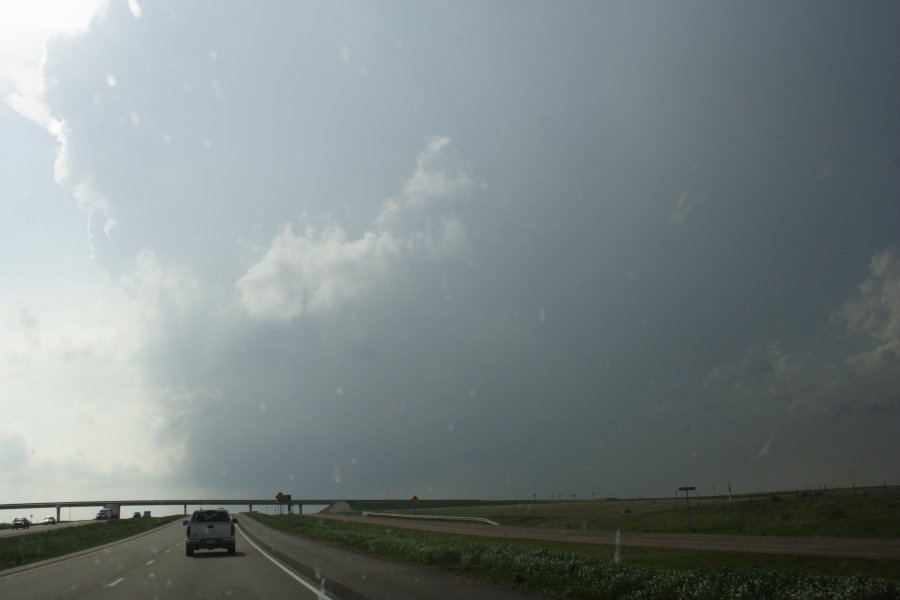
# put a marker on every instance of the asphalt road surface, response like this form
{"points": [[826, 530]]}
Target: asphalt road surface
{"points": [[268, 564], [883, 549], [37, 527]]}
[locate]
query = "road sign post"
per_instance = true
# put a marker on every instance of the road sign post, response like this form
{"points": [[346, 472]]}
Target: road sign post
{"points": [[284, 499], [687, 498]]}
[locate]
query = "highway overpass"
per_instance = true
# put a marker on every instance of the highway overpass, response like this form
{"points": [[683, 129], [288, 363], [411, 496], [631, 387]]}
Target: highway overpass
{"points": [[249, 502]]}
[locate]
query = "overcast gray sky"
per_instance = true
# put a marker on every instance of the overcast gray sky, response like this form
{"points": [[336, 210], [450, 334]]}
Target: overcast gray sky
{"points": [[461, 249]]}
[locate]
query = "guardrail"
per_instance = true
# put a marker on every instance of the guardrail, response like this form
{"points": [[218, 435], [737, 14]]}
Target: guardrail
{"points": [[431, 517]]}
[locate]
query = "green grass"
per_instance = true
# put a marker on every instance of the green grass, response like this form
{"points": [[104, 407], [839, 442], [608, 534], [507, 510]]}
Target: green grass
{"points": [[867, 513], [587, 571], [50, 542]]}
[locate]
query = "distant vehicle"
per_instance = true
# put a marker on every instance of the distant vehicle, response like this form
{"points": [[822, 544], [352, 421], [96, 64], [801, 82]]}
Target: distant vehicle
{"points": [[21, 523], [49, 521], [135, 515], [110, 511], [209, 529]]}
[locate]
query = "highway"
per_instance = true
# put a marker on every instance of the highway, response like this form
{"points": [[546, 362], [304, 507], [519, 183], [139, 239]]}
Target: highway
{"points": [[268, 564], [35, 528]]}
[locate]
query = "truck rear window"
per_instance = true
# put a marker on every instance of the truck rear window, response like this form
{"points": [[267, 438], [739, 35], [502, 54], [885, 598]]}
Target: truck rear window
{"points": [[211, 516]]}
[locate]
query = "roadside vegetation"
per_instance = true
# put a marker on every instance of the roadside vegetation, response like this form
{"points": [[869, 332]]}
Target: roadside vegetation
{"points": [[50, 542], [590, 571], [855, 512]]}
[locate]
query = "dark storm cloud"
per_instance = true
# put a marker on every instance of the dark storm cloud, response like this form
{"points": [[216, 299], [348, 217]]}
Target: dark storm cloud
{"points": [[497, 253]]}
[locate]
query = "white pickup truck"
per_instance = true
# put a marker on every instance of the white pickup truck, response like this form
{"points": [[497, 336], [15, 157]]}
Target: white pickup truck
{"points": [[209, 529]]}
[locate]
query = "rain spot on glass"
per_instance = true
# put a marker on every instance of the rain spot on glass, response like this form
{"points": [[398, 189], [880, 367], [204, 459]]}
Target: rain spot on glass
{"points": [[111, 81]]}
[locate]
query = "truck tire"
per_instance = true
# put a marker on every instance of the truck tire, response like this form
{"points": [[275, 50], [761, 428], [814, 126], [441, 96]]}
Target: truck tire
{"points": [[188, 551], [231, 549]]}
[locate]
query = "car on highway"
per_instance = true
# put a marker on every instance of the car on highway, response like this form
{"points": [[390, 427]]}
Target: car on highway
{"points": [[209, 529], [49, 521], [21, 523]]}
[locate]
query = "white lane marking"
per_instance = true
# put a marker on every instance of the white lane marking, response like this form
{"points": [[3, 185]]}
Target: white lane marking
{"points": [[308, 585], [116, 582], [151, 561]]}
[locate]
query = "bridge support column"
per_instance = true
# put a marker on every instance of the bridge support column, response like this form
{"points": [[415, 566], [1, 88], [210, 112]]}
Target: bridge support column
{"points": [[185, 509], [58, 508], [251, 507]]}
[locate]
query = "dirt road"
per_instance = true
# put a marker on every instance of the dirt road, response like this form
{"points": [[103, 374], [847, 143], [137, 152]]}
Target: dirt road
{"points": [[838, 547]]}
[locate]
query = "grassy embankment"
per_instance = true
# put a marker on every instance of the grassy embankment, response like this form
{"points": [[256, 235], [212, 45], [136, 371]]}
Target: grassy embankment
{"points": [[862, 513], [50, 542], [589, 571]]}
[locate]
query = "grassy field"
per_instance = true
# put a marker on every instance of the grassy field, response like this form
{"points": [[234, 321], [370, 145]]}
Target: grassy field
{"points": [[50, 542], [865, 513], [589, 571]]}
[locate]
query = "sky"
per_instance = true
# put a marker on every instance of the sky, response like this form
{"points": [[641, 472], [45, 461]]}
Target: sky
{"points": [[465, 249]]}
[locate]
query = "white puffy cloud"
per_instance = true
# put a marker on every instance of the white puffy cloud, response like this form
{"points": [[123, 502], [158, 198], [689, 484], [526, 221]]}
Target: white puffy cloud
{"points": [[437, 178], [433, 181], [874, 311], [25, 28], [320, 269], [315, 271]]}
